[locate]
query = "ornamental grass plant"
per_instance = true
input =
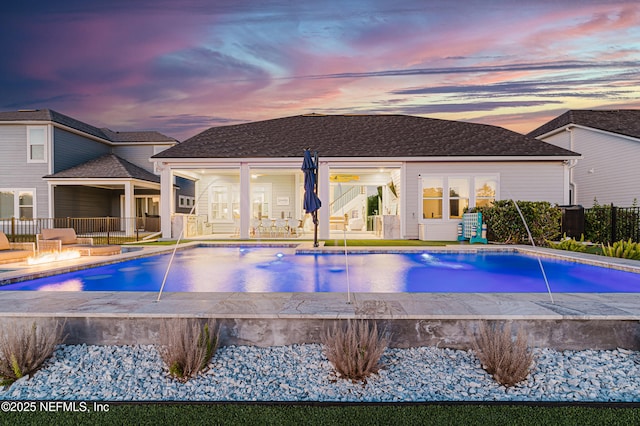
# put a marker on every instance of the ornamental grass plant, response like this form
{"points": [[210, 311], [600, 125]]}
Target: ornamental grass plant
{"points": [[355, 348], [23, 348], [187, 345], [508, 361]]}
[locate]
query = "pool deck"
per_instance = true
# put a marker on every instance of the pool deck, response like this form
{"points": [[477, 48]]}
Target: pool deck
{"points": [[569, 321]]}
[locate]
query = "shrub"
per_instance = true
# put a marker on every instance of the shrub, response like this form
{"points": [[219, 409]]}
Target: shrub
{"points": [[23, 349], [623, 249], [504, 224], [569, 244], [355, 349], [187, 345], [508, 361]]}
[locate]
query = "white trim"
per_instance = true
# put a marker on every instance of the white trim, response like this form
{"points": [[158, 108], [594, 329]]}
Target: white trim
{"points": [[349, 161], [84, 134], [579, 126], [105, 182], [45, 144]]}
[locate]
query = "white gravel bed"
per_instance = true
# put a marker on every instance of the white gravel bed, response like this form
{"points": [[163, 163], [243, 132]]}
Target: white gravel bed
{"points": [[302, 373]]}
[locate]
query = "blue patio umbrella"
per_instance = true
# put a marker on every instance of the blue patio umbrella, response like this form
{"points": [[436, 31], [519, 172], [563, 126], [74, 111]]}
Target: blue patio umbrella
{"points": [[311, 201]]}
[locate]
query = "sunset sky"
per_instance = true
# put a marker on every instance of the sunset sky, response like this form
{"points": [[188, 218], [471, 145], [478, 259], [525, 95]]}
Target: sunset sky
{"points": [[180, 67]]}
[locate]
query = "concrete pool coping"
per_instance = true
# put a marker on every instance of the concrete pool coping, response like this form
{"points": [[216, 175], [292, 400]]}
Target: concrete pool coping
{"points": [[572, 321]]}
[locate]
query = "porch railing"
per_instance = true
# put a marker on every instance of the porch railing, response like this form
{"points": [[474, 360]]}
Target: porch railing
{"points": [[103, 230]]}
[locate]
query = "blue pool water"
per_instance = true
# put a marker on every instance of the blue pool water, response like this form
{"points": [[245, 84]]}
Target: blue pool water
{"points": [[206, 269]]}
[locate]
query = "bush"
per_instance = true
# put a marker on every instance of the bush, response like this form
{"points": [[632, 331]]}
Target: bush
{"points": [[355, 349], [187, 346], [24, 349], [623, 249], [569, 244], [508, 361], [504, 224]]}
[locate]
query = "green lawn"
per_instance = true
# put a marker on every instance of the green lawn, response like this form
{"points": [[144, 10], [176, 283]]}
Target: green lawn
{"points": [[371, 414]]}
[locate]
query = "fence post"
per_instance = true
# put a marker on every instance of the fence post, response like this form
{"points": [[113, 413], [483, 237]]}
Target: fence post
{"points": [[13, 226], [108, 230], [614, 220]]}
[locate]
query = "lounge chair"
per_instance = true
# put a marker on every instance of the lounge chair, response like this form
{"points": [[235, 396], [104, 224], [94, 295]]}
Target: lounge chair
{"points": [[59, 239], [15, 252]]}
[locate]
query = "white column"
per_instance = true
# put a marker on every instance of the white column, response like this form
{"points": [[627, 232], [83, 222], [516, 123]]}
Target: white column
{"points": [[129, 209], [166, 201], [245, 200], [323, 194], [566, 184], [404, 214], [51, 190]]}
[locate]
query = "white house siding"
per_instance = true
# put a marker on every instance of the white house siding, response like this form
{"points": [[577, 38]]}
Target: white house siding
{"points": [[530, 181], [609, 169], [16, 173]]}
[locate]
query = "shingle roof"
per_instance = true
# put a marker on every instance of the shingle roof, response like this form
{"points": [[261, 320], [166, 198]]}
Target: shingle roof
{"points": [[106, 134], [359, 136], [108, 166], [141, 136], [624, 121]]}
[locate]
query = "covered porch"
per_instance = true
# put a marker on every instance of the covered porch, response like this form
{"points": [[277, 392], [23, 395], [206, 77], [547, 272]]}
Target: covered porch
{"points": [[260, 200]]}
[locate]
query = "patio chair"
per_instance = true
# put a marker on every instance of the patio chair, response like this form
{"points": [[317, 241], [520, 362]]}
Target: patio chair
{"points": [[59, 239], [280, 227], [266, 225], [295, 227], [15, 252], [254, 227]]}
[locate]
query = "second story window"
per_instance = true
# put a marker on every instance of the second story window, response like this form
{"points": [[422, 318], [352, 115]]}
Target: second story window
{"points": [[36, 144]]}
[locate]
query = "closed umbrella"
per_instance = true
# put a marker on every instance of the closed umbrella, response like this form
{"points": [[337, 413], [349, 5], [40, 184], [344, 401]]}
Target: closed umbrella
{"points": [[311, 201]]}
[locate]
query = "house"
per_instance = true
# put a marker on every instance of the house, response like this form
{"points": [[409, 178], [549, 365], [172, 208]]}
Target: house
{"points": [[52, 165], [395, 176], [609, 141]]}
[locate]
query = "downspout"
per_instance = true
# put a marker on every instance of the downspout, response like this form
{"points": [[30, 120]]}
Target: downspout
{"points": [[573, 187]]}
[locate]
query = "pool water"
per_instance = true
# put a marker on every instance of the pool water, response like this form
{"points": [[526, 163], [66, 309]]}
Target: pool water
{"points": [[206, 269]]}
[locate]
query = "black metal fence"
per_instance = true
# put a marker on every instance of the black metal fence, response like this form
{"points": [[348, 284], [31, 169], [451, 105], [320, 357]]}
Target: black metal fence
{"points": [[607, 224], [103, 230]]}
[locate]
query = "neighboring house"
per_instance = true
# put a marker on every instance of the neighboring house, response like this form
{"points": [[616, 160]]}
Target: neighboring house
{"points": [[420, 173], [610, 144], [52, 165]]}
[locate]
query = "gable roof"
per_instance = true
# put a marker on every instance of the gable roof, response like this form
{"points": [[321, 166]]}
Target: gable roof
{"points": [[359, 136], [108, 166], [624, 121], [106, 134]]}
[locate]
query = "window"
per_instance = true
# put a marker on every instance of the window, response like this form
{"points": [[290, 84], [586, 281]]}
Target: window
{"points": [[17, 201], [185, 201], [261, 200], [25, 205], [146, 205], [224, 203], [448, 197], [458, 197], [36, 144], [432, 198], [485, 190]]}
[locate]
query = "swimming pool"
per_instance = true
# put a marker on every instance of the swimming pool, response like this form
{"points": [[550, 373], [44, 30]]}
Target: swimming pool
{"points": [[241, 269]]}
